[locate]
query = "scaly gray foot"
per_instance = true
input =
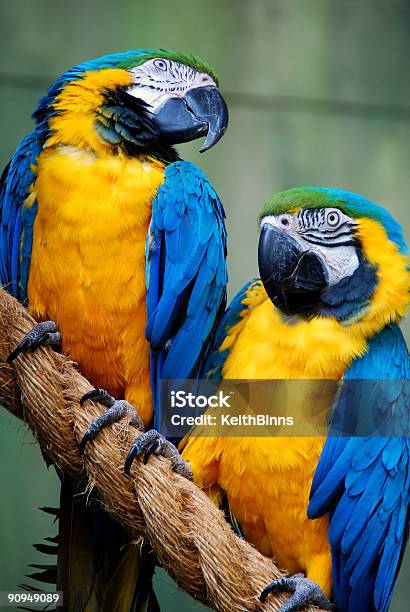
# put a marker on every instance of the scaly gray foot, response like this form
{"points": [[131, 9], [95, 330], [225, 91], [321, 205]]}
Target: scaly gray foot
{"points": [[304, 592], [45, 333], [116, 410], [152, 442]]}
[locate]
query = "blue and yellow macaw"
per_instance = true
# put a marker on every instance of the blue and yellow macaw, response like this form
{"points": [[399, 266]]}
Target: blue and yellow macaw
{"points": [[334, 286], [116, 245]]}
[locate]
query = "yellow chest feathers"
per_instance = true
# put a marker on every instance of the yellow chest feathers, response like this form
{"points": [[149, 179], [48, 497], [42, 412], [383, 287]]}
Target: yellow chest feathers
{"points": [[88, 260], [263, 345]]}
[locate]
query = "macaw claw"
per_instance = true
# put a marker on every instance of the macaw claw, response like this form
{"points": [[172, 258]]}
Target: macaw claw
{"points": [[304, 592], [152, 442], [45, 333], [99, 395], [116, 410]]}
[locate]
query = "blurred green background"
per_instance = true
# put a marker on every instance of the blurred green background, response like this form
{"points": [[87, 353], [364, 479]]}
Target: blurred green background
{"points": [[319, 94]]}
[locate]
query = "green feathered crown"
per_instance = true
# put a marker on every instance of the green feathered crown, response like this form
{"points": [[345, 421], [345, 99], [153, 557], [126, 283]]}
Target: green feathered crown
{"points": [[351, 204]]}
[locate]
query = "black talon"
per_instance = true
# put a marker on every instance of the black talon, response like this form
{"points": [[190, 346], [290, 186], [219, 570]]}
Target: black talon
{"points": [[99, 395], [304, 591], [45, 333], [152, 448], [135, 450], [130, 460], [273, 587], [86, 438], [116, 410], [20, 347], [152, 442]]}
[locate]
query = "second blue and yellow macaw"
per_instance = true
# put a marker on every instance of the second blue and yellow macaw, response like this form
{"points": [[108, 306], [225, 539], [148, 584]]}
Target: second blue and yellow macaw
{"points": [[334, 265]]}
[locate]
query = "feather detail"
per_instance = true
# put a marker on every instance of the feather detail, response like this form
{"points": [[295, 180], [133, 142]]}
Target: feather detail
{"points": [[186, 274], [18, 208], [365, 487]]}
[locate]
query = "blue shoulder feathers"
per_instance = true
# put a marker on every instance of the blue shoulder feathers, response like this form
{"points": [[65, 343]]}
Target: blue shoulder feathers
{"points": [[364, 483], [186, 274]]}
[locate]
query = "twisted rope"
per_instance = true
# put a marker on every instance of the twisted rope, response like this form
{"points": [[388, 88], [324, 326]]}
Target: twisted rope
{"points": [[188, 533]]}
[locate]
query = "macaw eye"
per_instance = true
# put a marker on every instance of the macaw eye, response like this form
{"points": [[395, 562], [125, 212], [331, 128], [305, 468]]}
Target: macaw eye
{"points": [[160, 64], [333, 218]]}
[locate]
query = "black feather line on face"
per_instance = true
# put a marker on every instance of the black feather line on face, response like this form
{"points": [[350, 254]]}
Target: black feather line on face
{"points": [[311, 217], [330, 232], [314, 229], [124, 121], [329, 245]]}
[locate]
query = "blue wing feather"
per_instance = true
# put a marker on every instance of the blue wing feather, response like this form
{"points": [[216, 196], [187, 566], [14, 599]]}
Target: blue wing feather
{"points": [[186, 274], [17, 217], [364, 483]]}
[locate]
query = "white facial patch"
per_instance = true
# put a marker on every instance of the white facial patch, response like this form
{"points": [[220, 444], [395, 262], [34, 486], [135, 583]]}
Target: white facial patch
{"points": [[340, 262], [160, 79], [327, 232]]}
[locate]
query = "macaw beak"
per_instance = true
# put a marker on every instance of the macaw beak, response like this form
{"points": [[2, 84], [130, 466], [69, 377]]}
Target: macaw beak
{"points": [[293, 279], [202, 111]]}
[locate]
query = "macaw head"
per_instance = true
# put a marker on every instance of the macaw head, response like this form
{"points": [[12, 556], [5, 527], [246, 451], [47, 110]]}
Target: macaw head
{"points": [[332, 253], [137, 101]]}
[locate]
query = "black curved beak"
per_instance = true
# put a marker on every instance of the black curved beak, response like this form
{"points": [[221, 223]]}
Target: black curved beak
{"points": [[201, 112], [293, 279]]}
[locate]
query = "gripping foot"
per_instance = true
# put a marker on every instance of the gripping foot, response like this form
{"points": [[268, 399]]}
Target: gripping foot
{"points": [[304, 591], [45, 333], [152, 442], [116, 410]]}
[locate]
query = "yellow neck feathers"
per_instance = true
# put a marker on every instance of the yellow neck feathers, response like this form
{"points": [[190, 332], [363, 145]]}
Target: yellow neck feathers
{"points": [[391, 297], [76, 106]]}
